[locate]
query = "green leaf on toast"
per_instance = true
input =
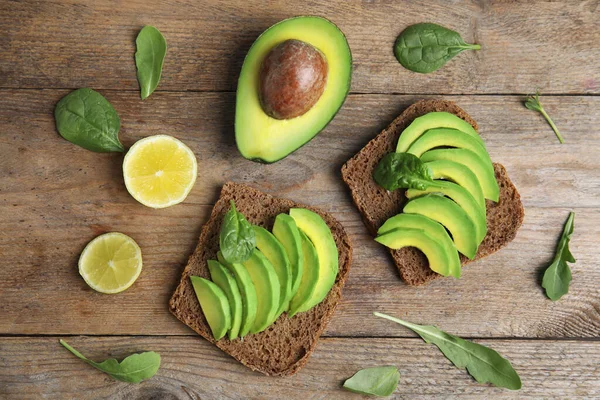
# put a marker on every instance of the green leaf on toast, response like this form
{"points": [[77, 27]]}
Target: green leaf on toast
{"points": [[237, 238], [402, 171]]}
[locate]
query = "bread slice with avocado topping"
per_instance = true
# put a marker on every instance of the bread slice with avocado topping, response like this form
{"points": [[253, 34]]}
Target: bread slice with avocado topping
{"points": [[285, 346], [376, 204]]}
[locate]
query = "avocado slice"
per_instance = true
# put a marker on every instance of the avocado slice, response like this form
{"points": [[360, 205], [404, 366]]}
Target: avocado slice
{"points": [[460, 196], [226, 281], [437, 233], [452, 216], [214, 304], [286, 231], [262, 138], [310, 277], [485, 176], [459, 174], [265, 281], [435, 252], [320, 235], [430, 121], [248, 292], [446, 137], [275, 253]]}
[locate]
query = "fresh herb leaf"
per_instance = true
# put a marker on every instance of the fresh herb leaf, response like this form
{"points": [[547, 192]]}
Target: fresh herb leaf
{"points": [[402, 170], [237, 238], [558, 275], [133, 369], [483, 363], [533, 103], [377, 381], [426, 47], [151, 50], [87, 119]]}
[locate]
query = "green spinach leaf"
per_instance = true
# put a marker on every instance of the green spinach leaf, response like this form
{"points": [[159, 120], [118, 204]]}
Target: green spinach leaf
{"points": [[402, 170], [377, 381], [483, 363], [426, 47], [558, 275], [533, 103], [237, 239], [149, 57], [133, 369], [87, 119]]}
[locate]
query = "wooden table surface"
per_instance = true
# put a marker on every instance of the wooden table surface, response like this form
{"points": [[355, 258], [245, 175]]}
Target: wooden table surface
{"points": [[55, 197]]}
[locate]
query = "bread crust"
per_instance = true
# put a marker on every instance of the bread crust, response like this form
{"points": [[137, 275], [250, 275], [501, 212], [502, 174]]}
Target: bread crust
{"points": [[284, 347], [376, 204]]}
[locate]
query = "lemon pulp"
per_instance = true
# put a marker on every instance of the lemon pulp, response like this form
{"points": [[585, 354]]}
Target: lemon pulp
{"points": [[159, 171], [111, 262]]}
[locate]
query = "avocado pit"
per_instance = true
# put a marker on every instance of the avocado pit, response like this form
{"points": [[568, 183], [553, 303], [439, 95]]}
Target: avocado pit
{"points": [[292, 77]]}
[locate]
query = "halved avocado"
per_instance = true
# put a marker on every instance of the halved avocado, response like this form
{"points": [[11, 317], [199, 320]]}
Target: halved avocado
{"points": [[214, 304], [247, 290], [459, 174], [485, 176], [452, 216], [446, 137], [433, 229], [275, 253], [460, 196], [267, 287], [320, 235], [435, 252], [430, 121], [226, 281], [310, 277], [262, 138], [286, 231]]}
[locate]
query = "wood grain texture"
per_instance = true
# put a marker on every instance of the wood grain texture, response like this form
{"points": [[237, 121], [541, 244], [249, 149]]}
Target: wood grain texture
{"points": [[525, 45], [192, 368], [55, 197]]}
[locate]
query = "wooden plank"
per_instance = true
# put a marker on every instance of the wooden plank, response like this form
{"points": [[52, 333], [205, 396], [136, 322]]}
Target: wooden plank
{"points": [[525, 45], [194, 369], [55, 197]]}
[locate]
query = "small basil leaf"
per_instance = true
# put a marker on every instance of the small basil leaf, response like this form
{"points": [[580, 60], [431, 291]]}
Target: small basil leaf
{"points": [[237, 239], [133, 369], [149, 57], [87, 119], [426, 47], [483, 363], [402, 170], [558, 275], [377, 381]]}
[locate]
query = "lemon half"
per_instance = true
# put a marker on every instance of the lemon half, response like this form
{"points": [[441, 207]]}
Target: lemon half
{"points": [[111, 262], [159, 171]]}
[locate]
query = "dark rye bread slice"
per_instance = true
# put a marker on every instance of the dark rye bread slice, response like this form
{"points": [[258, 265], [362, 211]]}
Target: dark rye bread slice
{"points": [[284, 347], [377, 204]]}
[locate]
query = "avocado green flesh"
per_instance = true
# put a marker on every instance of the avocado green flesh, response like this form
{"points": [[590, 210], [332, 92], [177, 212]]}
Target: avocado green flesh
{"points": [[265, 139], [267, 287], [320, 235], [286, 231], [214, 304], [450, 215], [409, 237], [445, 137], [461, 197], [459, 174], [433, 229], [226, 281], [248, 292], [430, 121], [275, 253], [485, 175], [310, 277]]}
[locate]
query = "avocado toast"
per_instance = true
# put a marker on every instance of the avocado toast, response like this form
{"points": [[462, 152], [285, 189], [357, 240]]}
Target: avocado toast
{"points": [[377, 205], [285, 346]]}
